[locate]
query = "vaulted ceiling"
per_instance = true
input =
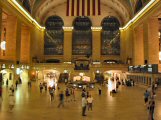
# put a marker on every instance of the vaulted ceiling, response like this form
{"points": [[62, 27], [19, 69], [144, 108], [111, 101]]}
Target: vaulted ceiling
{"points": [[42, 9]]}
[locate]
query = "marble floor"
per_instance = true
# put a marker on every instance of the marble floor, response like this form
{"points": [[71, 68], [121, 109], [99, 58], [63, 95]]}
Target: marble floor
{"points": [[128, 104]]}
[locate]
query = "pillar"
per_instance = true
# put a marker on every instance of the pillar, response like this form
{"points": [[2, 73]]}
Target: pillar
{"points": [[145, 37], [0, 27], [153, 41], [96, 45], [11, 36], [18, 42], [67, 45], [138, 55], [36, 43], [25, 44], [123, 39], [126, 44]]}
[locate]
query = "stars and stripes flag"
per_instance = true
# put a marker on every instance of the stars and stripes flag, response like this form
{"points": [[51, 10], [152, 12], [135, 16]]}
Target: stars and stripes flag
{"points": [[83, 8]]}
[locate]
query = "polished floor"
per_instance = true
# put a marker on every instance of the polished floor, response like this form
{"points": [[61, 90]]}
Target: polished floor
{"points": [[128, 104]]}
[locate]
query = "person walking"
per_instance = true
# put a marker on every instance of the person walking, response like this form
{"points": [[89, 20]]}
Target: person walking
{"points": [[29, 84], [151, 109], [146, 96], [90, 102], [12, 89], [84, 104], [11, 102], [99, 91], [41, 87], [16, 83], [51, 91], [73, 94], [61, 99], [67, 94]]}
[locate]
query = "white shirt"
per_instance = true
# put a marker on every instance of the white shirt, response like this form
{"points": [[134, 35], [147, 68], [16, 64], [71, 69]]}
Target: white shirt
{"points": [[90, 99], [84, 102]]}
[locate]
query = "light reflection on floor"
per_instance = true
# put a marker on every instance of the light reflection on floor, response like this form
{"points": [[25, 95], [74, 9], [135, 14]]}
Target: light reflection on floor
{"points": [[128, 104]]}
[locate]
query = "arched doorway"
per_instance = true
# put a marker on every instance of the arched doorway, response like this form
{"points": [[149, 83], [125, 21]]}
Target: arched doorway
{"points": [[7, 74], [51, 77], [112, 77]]}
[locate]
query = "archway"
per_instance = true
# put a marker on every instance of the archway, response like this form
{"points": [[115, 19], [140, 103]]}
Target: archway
{"points": [[51, 77], [7, 74], [112, 77]]}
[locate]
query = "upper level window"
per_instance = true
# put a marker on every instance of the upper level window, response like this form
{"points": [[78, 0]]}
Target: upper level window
{"points": [[110, 36], [26, 4], [82, 36], [54, 36], [138, 6]]}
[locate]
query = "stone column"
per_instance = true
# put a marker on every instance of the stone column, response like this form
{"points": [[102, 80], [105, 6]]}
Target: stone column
{"points": [[11, 38], [153, 41], [138, 55], [96, 45], [126, 45], [36, 43], [0, 27], [18, 42], [25, 44], [123, 39], [67, 45], [145, 37]]}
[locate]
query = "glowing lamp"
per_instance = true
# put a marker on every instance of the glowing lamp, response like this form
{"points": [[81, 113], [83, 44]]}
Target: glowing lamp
{"points": [[81, 74], [97, 71], [65, 71]]}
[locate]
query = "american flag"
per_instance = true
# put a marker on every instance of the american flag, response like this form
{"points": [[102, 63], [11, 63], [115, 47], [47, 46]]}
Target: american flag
{"points": [[83, 8]]}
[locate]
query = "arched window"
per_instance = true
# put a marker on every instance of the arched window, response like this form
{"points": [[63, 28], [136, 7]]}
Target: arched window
{"points": [[54, 36], [110, 36], [26, 4], [138, 6], [82, 36]]}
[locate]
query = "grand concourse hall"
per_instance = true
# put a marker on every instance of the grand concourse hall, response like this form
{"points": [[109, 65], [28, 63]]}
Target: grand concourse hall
{"points": [[80, 47]]}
